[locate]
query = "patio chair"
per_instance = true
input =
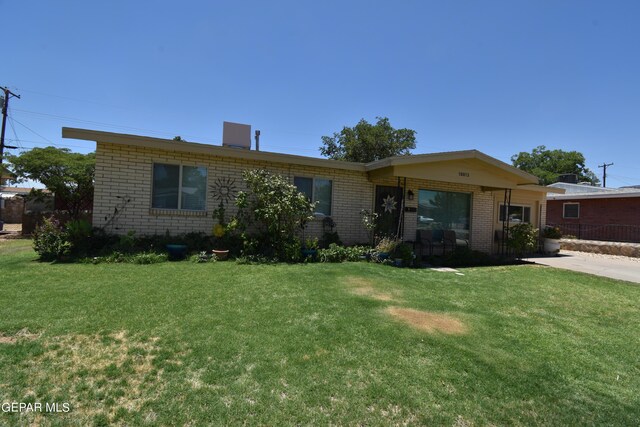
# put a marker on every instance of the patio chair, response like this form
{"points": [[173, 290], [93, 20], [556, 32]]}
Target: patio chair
{"points": [[428, 239], [449, 240]]}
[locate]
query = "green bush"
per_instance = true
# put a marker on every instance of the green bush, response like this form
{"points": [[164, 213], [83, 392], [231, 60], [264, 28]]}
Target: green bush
{"points": [[523, 239], [51, 241], [276, 208], [79, 234], [117, 257], [202, 257], [550, 232], [147, 258], [335, 253], [404, 252]]}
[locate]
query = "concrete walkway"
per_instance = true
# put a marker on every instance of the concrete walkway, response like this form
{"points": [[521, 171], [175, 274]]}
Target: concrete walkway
{"points": [[613, 266]]}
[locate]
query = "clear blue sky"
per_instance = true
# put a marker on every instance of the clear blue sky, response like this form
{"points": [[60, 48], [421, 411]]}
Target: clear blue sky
{"points": [[500, 77]]}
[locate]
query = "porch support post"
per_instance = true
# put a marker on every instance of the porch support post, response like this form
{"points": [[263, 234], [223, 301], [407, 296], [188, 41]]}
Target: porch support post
{"points": [[505, 221]]}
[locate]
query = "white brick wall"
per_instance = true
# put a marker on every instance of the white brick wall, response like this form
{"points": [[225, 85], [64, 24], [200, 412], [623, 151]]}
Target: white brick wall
{"points": [[126, 171]]}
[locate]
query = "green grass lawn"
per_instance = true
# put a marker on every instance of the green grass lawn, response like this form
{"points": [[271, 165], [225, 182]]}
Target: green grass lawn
{"points": [[355, 343]]}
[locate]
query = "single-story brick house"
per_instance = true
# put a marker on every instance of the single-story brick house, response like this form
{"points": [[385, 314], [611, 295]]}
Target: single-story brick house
{"points": [[159, 185], [596, 213]]}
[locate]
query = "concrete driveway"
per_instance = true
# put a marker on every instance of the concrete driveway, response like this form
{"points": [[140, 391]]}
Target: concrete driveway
{"points": [[613, 266]]}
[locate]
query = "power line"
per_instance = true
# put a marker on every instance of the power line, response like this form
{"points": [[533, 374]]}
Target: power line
{"points": [[35, 133], [71, 99], [15, 135], [30, 141], [625, 179], [148, 131]]}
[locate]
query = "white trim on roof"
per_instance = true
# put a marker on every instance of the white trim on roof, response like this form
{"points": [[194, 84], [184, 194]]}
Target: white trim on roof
{"points": [[583, 196]]}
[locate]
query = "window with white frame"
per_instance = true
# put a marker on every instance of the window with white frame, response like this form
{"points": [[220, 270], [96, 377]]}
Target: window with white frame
{"points": [[179, 187], [571, 210], [318, 190], [517, 214]]}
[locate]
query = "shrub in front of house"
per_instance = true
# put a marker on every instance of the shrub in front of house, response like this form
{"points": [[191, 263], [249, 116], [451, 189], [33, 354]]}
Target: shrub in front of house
{"points": [[523, 239], [276, 209], [550, 232], [336, 253], [51, 241]]}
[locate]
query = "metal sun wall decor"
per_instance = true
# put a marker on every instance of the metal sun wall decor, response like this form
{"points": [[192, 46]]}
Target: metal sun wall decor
{"points": [[389, 203], [224, 189]]}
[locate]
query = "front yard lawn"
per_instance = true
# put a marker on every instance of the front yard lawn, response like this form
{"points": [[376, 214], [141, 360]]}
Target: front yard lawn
{"points": [[355, 343]]}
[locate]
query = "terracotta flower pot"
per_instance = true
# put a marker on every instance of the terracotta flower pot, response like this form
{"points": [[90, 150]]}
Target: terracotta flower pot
{"points": [[220, 254]]}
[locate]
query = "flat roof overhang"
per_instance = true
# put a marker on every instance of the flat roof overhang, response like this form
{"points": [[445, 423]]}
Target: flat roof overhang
{"points": [[466, 167], [206, 149]]}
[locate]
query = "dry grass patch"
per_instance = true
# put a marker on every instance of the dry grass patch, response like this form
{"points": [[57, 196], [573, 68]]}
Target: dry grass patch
{"points": [[23, 334], [363, 287], [372, 293], [102, 376], [428, 322]]}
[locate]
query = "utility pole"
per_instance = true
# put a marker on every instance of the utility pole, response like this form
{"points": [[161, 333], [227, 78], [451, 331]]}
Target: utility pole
{"points": [[5, 106], [604, 173]]}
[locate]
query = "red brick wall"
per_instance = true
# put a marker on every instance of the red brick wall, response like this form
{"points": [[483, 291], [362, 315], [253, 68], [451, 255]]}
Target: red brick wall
{"points": [[623, 211], [595, 214]]}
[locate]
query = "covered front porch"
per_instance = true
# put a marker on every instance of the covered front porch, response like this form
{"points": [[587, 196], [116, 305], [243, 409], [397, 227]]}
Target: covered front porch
{"points": [[442, 201]]}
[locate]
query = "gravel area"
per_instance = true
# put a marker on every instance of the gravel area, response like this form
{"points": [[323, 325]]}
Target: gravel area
{"points": [[599, 256]]}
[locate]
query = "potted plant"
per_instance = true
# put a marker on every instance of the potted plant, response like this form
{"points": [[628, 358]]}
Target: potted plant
{"points": [[403, 255], [552, 236], [385, 246], [220, 231], [310, 248]]}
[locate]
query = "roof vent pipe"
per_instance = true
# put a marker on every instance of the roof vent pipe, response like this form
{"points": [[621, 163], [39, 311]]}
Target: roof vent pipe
{"points": [[257, 140]]}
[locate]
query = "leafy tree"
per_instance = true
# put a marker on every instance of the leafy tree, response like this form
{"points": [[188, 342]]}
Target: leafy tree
{"points": [[68, 175], [547, 165], [366, 142], [275, 207]]}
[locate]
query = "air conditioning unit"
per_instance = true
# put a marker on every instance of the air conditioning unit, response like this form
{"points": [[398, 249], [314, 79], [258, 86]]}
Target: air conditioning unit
{"points": [[236, 135]]}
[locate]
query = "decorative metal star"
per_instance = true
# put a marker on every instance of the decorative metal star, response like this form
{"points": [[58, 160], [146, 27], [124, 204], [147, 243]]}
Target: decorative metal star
{"points": [[389, 203]]}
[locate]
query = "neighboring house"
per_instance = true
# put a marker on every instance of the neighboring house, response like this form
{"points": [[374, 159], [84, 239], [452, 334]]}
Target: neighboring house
{"points": [[158, 185], [14, 202], [596, 213]]}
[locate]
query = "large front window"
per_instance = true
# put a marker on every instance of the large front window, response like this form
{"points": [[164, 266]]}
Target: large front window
{"points": [[444, 210], [317, 190], [179, 187]]}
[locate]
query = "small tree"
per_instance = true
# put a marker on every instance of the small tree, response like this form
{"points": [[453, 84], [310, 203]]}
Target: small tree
{"points": [[276, 207]]}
